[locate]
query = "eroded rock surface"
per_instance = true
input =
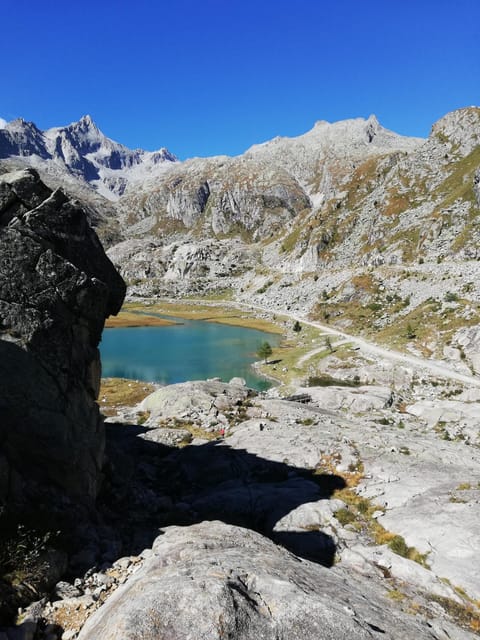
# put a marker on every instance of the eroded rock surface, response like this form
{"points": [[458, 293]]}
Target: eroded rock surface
{"points": [[214, 581]]}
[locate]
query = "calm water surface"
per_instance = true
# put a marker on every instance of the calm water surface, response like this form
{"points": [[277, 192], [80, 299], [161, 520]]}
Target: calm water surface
{"points": [[194, 350]]}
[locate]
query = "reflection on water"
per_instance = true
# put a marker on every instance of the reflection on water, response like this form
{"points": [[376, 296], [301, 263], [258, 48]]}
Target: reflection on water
{"points": [[193, 350]]}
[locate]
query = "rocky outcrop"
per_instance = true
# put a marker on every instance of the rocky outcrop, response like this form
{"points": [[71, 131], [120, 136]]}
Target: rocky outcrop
{"points": [[214, 581], [216, 196], [56, 288]]}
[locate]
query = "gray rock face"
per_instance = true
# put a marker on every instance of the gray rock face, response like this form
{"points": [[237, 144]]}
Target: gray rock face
{"points": [[459, 129], [215, 581], [82, 150], [56, 288], [219, 196]]}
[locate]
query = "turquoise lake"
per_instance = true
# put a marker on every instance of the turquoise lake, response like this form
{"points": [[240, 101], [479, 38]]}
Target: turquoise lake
{"points": [[194, 350]]}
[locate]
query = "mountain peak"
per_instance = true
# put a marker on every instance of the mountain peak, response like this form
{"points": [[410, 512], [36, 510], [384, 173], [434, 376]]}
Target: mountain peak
{"points": [[85, 124]]}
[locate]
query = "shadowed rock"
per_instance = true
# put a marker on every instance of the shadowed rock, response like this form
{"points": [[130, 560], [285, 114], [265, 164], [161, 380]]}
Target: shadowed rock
{"points": [[213, 580], [56, 288]]}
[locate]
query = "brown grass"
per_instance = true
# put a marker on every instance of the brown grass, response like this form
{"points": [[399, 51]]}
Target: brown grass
{"points": [[132, 319], [121, 392], [208, 313]]}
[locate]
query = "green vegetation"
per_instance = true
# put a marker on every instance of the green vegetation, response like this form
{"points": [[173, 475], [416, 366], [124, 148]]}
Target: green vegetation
{"points": [[291, 240], [21, 552], [345, 516], [264, 287], [329, 381], [451, 297], [459, 184], [264, 351], [297, 327], [136, 319], [409, 332], [359, 511], [307, 422], [25, 541]]}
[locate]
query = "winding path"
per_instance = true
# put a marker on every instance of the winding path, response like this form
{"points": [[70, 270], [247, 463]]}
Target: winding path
{"points": [[435, 367]]}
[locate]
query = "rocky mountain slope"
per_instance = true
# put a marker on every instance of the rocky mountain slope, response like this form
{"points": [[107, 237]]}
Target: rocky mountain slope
{"points": [[359, 508], [370, 231]]}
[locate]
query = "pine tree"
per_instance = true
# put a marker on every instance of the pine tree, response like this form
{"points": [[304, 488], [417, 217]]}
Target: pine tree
{"points": [[264, 351]]}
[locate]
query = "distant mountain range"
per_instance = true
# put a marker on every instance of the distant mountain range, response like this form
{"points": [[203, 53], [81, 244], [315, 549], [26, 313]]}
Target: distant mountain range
{"points": [[83, 151], [375, 232]]}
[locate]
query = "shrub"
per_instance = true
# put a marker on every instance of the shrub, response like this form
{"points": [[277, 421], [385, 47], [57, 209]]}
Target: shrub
{"points": [[264, 287], [399, 546], [297, 327], [450, 297], [344, 516], [409, 332]]}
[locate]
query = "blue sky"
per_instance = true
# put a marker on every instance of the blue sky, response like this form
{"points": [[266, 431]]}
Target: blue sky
{"points": [[216, 76]]}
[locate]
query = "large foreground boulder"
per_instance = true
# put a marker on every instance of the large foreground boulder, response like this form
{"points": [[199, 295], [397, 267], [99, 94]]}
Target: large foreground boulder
{"points": [[56, 288], [213, 581]]}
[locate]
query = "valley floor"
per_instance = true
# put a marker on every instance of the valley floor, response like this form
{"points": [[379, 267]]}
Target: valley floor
{"points": [[375, 478]]}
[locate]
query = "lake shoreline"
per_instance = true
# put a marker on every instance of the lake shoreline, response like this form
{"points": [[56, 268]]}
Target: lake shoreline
{"points": [[128, 319], [183, 351], [220, 312]]}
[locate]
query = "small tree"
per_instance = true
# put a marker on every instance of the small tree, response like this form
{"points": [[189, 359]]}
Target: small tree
{"points": [[264, 351], [297, 327], [410, 332]]}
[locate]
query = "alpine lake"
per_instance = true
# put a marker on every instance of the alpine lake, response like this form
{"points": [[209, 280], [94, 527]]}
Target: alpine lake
{"points": [[188, 350]]}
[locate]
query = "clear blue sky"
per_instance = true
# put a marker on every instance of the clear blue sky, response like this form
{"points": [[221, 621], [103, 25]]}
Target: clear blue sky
{"points": [[205, 77]]}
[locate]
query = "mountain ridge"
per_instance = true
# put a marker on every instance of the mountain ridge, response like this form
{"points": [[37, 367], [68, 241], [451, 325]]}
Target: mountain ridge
{"points": [[83, 152]]}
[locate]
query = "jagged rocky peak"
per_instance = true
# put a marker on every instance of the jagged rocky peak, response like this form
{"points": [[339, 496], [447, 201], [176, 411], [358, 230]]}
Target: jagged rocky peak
{"points": [[84, 135], [21, 138], [57, 286], [81, 151]]}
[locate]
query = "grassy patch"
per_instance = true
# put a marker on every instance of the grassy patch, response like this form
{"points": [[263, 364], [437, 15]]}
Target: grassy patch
{"points": [[194, 430], [329, 381], [287, 370], [359, 512], [459, 184], [135, 319], [291, 240], [191, 310], [467, 615], [345, 516], [116, 393]]}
